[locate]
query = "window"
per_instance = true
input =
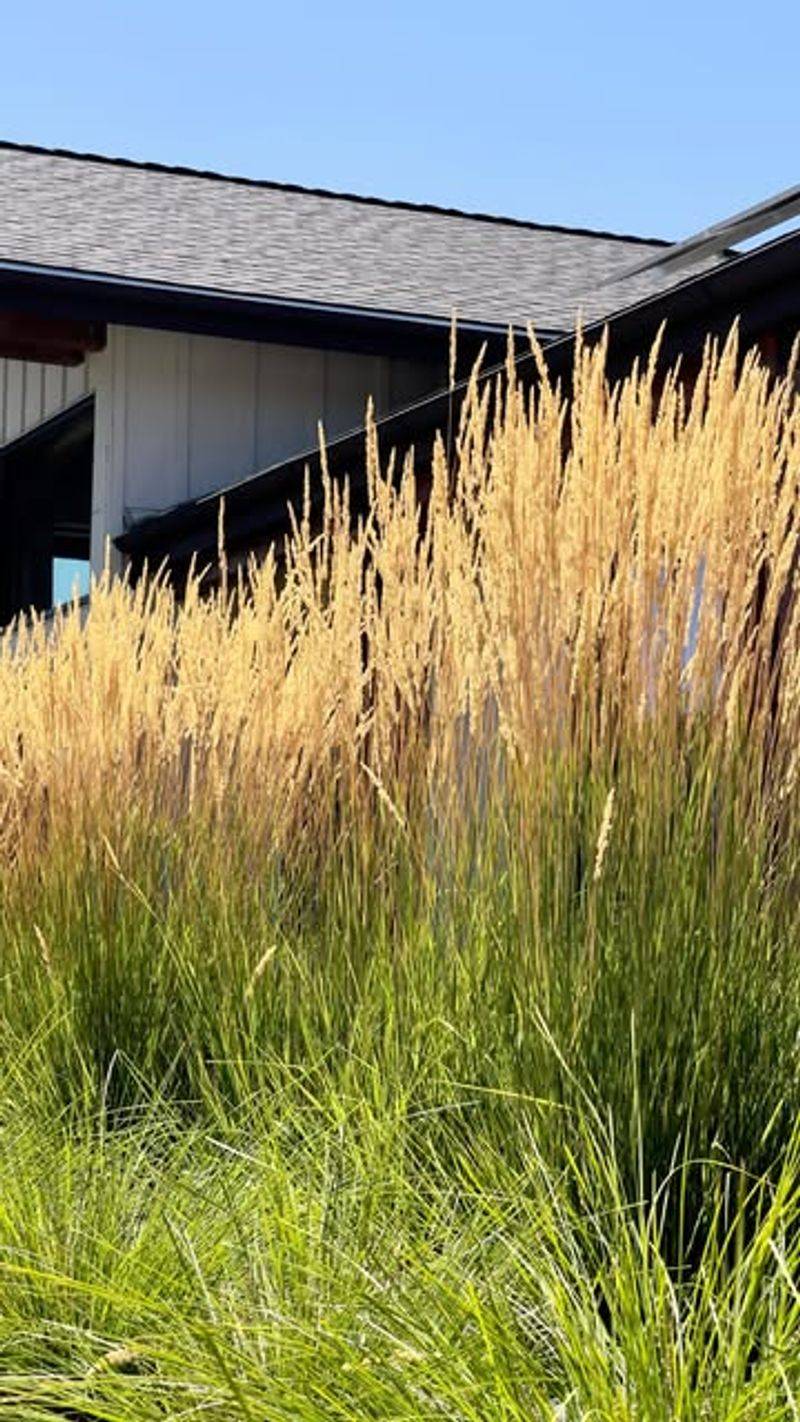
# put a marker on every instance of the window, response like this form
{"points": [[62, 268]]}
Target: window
{"points": [[70, 579], [45, 513]]}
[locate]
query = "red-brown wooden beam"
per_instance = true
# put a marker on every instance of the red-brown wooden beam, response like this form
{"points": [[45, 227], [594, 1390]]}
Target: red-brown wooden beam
{"points": [[51, 341]]}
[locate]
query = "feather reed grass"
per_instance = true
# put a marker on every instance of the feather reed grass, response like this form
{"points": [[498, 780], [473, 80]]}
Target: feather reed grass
{"points": [[400, 992], [591, 577]]}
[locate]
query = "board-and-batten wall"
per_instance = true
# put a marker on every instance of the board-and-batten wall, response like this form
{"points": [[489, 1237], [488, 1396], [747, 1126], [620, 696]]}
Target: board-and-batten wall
{"points": [[31, 393], [178, 415]]}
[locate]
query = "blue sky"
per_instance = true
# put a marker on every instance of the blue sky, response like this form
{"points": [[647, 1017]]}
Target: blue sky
{"points": [[651, 118]]}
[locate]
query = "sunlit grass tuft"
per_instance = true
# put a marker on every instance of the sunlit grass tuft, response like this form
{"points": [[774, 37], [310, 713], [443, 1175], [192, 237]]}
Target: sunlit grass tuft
{"points": [[400, 995]]}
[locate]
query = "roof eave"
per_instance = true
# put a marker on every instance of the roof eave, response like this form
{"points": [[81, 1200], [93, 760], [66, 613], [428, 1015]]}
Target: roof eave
{"points": [[754, 287], [126, 301], [698, 306]]}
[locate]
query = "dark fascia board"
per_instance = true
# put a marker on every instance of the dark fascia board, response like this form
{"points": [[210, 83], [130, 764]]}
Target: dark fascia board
{"points": [[128, 302], [754, 287]]}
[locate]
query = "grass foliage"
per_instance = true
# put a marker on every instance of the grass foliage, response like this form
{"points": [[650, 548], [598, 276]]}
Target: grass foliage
{"points": [[400, 988]]}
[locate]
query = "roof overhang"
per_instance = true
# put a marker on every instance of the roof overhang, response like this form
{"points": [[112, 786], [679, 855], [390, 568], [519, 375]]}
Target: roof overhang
{"points": [[96, 297], [759, 288]]}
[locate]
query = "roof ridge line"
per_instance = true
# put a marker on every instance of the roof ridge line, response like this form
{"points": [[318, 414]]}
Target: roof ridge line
{"points": [[402, 204]]}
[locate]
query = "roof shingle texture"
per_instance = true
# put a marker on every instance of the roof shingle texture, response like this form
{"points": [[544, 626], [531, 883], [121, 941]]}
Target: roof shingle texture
{"points": [[98, 216]]}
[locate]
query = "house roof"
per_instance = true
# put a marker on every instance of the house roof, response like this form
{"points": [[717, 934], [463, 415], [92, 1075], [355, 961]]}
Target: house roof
{"points": [[760, 288], [81, 216]]}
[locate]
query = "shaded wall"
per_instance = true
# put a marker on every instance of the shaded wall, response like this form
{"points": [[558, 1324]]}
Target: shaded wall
{"points": [[179, 416]]}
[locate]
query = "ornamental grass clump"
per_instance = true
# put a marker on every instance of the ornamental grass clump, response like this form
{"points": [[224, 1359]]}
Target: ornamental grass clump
{"points": [[590, 580], [399, 972]]}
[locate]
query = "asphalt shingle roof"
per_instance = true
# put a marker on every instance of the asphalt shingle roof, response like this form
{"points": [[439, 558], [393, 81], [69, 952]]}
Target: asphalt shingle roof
{"points": [[158, 225]]}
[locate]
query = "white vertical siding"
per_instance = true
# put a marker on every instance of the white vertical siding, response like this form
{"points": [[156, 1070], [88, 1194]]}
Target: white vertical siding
{"points": [[177, 416], [31, 392], [154, 420], [285, 426], [222, 426], [410, 381], [193, 413], [109, 380], [349, 382]]}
